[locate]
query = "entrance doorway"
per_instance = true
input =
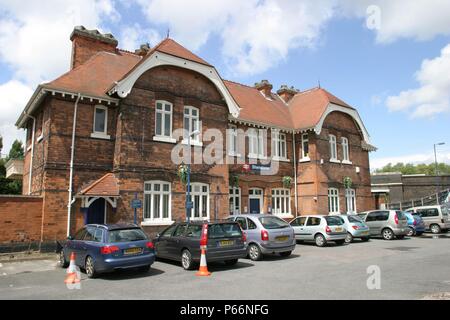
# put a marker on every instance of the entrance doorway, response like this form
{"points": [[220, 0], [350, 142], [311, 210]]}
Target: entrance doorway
{"points": [[96, 213], [256, 200]]}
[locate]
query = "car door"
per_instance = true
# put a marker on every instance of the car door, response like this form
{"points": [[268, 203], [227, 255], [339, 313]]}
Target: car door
{"points": [[253, 233], [161, 242], [299, 228], [87, 245], [312, 226], [174, 243], [371, 221], [75, 245], [244, 225]]}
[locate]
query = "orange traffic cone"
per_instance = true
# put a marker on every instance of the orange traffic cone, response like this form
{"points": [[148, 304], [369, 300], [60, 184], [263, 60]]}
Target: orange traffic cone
{"points": [[72, 276], [203, 271]]}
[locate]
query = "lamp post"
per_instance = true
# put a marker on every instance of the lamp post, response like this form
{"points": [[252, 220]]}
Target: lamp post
{"points": [[188, 185], [436, 169]]}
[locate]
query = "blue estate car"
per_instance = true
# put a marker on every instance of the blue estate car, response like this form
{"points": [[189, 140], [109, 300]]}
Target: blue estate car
{"points": [[105, 248], [415, 224]]}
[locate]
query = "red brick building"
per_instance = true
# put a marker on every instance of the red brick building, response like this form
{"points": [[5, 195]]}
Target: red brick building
{"points": [[104, 133]]}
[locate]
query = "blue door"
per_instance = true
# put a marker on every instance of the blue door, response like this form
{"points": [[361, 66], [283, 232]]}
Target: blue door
{"points": [[96, 212], [254, 206]]}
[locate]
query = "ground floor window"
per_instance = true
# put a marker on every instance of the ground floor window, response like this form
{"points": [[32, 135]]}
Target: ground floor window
{"points": [[200, 199], [235, 200], [157, 201], [350, 196], [333, 200], [281, 201]]}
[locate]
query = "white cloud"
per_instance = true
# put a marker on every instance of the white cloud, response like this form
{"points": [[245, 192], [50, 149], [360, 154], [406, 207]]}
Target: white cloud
{"points": [[419, 158], [418, 19], [133, 36], [433, 95], [14, 97], [256, 34]]}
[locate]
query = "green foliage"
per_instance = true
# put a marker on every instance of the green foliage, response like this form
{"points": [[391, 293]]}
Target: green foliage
{"points": [[16, 151], [409, 168], [287, 181], [8, 186]]}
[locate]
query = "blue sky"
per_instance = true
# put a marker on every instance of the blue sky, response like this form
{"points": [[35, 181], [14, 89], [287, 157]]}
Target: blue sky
{"points": [[404, 101]]}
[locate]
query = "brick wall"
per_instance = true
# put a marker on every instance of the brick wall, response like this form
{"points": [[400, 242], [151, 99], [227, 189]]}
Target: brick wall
{"points": [[20, 219]]}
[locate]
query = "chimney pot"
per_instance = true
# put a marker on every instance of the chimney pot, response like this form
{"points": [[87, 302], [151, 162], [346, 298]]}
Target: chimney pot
{"points": [[287, 93], [143, 50], [265, 87]]}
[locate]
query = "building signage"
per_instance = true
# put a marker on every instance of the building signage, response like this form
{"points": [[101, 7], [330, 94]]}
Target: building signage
{"points": [[256, 167]]}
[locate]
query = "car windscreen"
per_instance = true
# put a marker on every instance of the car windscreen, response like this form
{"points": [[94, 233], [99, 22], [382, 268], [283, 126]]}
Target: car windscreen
{"points": [[273, 223], [126, 235], [224, 230], [354, 219], [333, 221]]}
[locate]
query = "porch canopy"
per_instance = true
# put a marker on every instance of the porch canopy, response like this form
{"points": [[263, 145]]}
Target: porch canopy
{"points": [[106, 187]]}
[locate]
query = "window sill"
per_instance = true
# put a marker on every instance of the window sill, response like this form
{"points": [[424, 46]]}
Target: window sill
{"points": [[156, 223], [305, 160], [334, 161], [257, 157], [281, 159], [164, 139], [39, 139], [284, 216], [236, 155], [347, 162], [193, 143], [29, 148], [102, 136]]}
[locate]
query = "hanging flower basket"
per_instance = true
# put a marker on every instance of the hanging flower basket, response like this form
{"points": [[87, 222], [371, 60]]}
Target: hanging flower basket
{"points": [[183, 173], [347, 182], [234, 181], [287, 181]]}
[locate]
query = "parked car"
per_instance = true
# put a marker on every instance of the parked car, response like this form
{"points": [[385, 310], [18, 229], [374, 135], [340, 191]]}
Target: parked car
{"points": [[266, 234], [356, 228], [415, 224], [320, 229], [105, 248], [389, 224], [436, 218], [181, 242]]}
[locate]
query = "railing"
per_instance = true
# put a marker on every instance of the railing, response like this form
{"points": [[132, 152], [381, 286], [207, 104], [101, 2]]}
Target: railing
{"points": [[434, 199]]}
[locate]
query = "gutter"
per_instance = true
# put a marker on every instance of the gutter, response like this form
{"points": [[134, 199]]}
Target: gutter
{"points": [[72, 155]]}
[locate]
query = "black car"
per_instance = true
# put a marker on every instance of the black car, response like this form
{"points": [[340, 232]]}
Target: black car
{"points": [[181, 242]]}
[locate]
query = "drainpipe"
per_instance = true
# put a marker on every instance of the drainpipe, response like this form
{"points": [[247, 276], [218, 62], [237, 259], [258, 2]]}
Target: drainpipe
{"points": [[72, 154], [30, 171], [294, 151]]}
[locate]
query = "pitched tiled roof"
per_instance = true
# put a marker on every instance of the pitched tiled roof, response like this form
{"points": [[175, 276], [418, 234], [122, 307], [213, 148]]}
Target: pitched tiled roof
{"points": [[105, 186], [173, 48], [257, 108], [307, 107]]}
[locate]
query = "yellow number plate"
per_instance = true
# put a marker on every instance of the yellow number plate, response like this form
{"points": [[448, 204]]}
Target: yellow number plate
{"points": [[225, 243], [133, 251], [282, 238], [338, 229]]}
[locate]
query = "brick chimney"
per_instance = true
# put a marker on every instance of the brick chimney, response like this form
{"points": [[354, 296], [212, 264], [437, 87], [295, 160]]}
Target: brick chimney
{"points": [[265, 88], [287, 93], [143, 50], [86, 43]]}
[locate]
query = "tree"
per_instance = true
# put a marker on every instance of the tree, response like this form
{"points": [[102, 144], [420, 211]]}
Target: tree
{"points": [[8, 186], [409, 168], [16, 151]]}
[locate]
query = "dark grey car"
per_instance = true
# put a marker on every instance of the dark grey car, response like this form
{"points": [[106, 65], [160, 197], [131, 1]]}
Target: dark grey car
{"points": [[181, 242]]}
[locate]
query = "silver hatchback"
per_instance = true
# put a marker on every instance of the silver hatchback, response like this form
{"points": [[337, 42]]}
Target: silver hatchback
{"points": [[320, 229], [266, 234], [389, 224]]}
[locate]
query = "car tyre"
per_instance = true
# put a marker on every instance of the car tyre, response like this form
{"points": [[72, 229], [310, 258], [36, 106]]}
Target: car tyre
{"points": [[286, 253], [90, 268], [231, 262], [63, 263], [387, 234], [320, 240], [349, 238], [435, 229], [411, 232], [186, 260], [254, 252]]}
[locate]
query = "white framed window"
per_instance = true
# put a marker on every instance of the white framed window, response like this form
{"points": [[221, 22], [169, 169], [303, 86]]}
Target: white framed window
{"points": [[333, 200], [157, 202], [305, 148], [256, 145], [233, 141], [163, 121], [350, 197], [279, 145], [100, 127], [345, 150], [281, 202], [200, 199], [333, 148], [191, 124], [235, 200]]}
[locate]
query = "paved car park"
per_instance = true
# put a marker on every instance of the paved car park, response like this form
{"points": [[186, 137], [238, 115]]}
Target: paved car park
{"points": [[413, 268]]}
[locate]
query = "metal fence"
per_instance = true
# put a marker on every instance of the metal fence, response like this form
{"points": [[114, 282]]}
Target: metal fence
{"points": [[434, 199]]}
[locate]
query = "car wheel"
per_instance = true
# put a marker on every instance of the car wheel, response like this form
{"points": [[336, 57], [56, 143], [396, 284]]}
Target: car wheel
{"points": [[320, 240], [411, 232], [387, 234], [186, 260], [144, 269], [365, 239], [349, 238], [62, 260], [286, 253], [254, 252], [90, 268], [231, 262], [435, 228]]}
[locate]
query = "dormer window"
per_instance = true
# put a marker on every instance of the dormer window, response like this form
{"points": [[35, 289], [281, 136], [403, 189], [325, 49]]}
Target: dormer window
{"points": [[100, 128]]}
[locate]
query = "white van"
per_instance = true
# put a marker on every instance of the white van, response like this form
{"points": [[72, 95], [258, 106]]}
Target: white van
{"points": [[435, 217]]}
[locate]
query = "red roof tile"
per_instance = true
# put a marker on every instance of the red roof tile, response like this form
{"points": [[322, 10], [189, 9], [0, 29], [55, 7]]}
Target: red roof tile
{"points": [[173, 48], [105, 186]]}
